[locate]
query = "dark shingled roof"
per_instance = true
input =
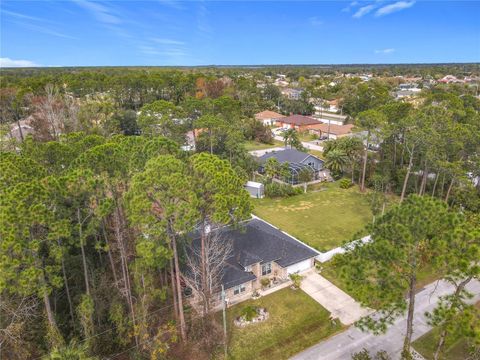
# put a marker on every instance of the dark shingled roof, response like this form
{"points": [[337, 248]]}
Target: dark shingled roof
{"points": [[259, 242], [287, 155]]}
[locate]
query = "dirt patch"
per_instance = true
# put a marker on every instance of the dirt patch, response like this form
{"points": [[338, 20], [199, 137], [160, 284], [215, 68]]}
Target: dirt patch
{"points": [[302, 205]]}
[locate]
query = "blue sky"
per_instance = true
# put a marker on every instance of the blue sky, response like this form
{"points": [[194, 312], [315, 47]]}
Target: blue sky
{"points": [[168, 32]]}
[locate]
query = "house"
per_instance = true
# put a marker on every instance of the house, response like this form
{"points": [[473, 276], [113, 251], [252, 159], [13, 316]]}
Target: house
{"points": [[328, 117], [297, 122], [325, 105], [259, 251], [450, 79], [297, 161], [332, 131], [255, 189], [292, 94], [268, 117]]}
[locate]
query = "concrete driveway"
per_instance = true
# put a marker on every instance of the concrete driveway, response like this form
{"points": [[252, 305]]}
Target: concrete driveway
{"points": [[351, 341], [339, 303]]}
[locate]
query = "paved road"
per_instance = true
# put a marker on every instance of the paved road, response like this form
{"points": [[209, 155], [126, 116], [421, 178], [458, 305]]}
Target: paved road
{"points": [[306, 144], [343, 345], [340, 304]]}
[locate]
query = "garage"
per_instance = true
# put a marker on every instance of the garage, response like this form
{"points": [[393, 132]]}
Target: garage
{"points": [[300, 266]]}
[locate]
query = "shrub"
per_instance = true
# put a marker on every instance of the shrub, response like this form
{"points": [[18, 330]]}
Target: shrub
{"points": [[297, 280], [265, 282], [345, 183], [249, 312], [275, 189]]}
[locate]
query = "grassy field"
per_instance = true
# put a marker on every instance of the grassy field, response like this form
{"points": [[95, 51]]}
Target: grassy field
{"points": [[255, 145], [296, 322], [455, 348], [323, 218]]}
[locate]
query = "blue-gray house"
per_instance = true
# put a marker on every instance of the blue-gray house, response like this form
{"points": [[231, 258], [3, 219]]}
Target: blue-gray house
{"points": [[297, 161]]}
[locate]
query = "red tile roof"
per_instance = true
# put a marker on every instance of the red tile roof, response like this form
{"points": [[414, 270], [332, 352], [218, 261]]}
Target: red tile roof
{"points": [[267, 114], [299, 120]]}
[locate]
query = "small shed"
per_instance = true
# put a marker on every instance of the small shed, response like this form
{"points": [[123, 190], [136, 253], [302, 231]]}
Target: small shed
{"points": [[255, 189]]}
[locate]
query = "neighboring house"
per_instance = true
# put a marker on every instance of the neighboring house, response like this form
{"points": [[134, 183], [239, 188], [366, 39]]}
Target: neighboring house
{"points": [[450, 79], [255, 189], [292, 94], [327, 117], [401, 94], [407, 90], [297, 122], [375, 140], [332, 131], [268, 117], [326, 105], [259, 251], [297, 161]]}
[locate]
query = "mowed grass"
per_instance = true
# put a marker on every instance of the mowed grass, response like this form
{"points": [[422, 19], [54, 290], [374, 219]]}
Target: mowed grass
{"points": [[323, 218], [295, 322], [330, 271], [455, 348], [255, 145]]}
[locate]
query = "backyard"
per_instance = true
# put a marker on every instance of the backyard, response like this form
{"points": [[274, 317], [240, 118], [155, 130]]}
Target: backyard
{"points": [[295, 322], [255, 145], [323, 218], [456, 348]]}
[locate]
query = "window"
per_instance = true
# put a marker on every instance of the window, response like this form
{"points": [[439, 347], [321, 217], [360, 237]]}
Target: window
{"points": [[248, 269], [266, 269], [238, 289]]}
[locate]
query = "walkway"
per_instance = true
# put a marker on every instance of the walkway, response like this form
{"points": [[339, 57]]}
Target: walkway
{"points": [[343, 345], [340, 304]]}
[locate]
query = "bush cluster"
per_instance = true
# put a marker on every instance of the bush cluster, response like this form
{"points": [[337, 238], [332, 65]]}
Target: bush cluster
{"points": [[345, 183], [274, 189], [249, 312]]}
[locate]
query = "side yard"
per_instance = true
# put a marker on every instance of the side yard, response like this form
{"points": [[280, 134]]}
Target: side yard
{"points": [[296, 322], [255, 145], [331, 272], [323, 218], [456, 348]]}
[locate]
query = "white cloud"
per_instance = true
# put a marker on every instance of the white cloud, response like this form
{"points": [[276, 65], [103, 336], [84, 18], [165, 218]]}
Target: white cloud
{"points": [[7, 62], [350, 6], [399, 5], [167, 41], [315, 21], [100, 12], [385, 51], [21, 16], [364, 10]]}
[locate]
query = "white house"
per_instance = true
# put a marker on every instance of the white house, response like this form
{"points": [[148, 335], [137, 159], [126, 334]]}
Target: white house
{"points": [[268, 117]]}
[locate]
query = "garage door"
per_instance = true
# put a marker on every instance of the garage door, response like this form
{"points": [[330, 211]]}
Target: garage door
{"points": [[301, 266]]}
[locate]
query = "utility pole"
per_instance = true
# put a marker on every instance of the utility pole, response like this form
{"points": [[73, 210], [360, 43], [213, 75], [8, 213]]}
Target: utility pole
{"points": [[224, 323]]}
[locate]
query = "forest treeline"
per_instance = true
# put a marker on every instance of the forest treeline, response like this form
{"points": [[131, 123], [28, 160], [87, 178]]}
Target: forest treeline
{"points": [[97, 202]]}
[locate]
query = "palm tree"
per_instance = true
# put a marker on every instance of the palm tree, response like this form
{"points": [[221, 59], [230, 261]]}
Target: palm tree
{"points": [[289, 136], [352, 146], [336, 160]]}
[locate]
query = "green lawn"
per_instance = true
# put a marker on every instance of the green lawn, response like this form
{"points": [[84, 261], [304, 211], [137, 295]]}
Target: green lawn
{"points": [[331, 272], [323, 218], [455, 348], [296, 322], [255, 145]]}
